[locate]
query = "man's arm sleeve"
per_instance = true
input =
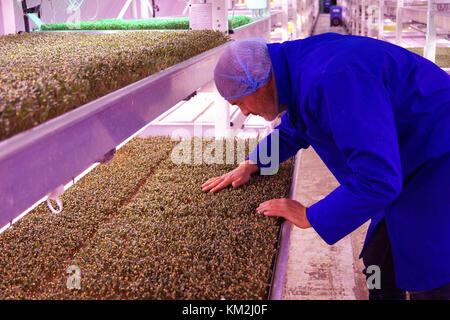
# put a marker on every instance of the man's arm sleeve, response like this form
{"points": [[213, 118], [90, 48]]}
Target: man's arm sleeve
{"points": [[356, 108], [289, 142]]}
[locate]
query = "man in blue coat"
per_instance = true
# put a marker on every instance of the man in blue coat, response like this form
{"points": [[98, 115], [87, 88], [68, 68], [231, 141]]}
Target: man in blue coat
{"points": [[379, 117]]}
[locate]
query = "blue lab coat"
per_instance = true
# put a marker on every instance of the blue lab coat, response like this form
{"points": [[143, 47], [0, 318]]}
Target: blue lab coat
{"points": [[379, 117]]}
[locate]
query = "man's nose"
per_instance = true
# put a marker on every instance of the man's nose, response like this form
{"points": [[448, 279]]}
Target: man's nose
{"points": [[244, 112]]}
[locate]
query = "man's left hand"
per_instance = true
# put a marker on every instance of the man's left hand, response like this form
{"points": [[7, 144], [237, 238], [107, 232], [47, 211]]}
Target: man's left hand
{"points": [[291, 210]]}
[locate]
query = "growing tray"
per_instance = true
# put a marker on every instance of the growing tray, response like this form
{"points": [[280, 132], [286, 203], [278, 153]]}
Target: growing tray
{"points": [[37, 161]]}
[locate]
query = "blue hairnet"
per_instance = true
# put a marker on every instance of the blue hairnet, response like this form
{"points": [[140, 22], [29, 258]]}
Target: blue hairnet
{"points": [[243, 68]]}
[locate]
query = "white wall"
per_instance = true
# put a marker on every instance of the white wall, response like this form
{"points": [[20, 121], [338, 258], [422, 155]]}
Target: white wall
{"points": [[1, 20], [7, 18]]}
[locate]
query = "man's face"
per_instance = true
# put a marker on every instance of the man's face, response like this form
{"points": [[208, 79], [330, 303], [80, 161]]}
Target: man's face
{"points": [[261, 102]]}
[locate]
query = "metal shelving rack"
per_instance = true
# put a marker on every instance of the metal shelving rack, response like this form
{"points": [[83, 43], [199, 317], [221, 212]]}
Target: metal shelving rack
{"points": [[434, 14]]}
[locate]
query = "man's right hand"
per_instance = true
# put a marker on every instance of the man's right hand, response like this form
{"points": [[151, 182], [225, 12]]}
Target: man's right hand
{"points": [[239, 176]]}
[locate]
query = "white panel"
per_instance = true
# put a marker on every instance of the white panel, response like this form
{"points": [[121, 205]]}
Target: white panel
{"points": [[399, 22], [1, 24], [223, 118], [144, 9], [220, 15], [285, 20], [430, 46], [381, 19], [7, 17], [125, 8], [200, 16]]}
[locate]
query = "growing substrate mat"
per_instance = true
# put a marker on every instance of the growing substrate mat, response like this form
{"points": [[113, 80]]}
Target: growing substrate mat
{"points": [[442, 55], [140, 227], [137, 24], [45, 75]]}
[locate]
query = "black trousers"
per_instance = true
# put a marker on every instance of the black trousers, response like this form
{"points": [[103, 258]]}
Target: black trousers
{"points": [[378, 252]]}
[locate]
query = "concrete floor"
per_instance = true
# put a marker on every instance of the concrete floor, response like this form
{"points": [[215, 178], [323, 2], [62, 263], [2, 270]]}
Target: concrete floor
{"points": [[323, 25], [315, 270]]}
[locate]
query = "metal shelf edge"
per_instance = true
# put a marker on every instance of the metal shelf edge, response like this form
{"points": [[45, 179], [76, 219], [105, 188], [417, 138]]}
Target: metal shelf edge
{"points": [[279, 270]]}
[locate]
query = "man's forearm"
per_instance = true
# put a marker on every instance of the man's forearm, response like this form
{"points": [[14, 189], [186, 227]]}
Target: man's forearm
{"points": [[250, 166]]}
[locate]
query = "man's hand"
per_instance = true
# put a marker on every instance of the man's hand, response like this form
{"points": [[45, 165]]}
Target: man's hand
{"points": [[291, 210], [236, 178]]}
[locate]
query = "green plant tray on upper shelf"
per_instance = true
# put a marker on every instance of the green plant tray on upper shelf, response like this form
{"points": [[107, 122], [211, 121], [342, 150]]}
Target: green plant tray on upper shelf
{"points": [[137, 24], [44, 75]]}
